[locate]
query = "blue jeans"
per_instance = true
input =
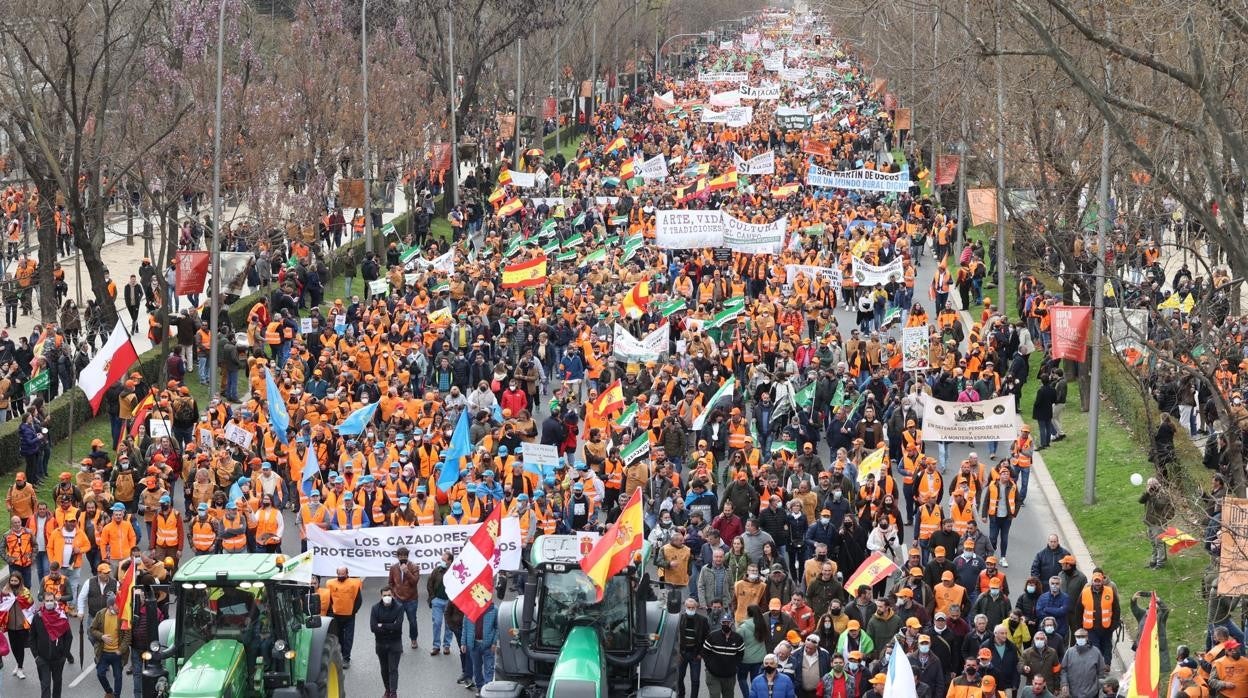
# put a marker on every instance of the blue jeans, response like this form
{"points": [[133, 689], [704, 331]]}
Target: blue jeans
{"points": [[746, 674], [1024, 477], [465, 664], [999, 530], [109, 660], [203, 369], [442, 635], [1047, 432], [482, 658], [942, 455], [136, 670], [409, 609], [41, 565], [231, 383], [691, 664]]}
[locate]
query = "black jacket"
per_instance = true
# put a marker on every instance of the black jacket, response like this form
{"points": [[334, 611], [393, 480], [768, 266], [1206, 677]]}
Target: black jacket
{"points": [[386, 622], [42, 646], [722, 653], [693, 632]]}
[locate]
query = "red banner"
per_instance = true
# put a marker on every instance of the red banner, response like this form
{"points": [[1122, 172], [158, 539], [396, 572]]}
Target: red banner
{"points": [[548, 108], [441, 156], [192, 272], [1071, 325], [947, 169]]}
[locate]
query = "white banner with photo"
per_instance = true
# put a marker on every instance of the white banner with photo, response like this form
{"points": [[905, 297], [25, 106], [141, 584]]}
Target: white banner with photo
{"points": [[774, 62], [876, 275], [653, 169], [234, 266], [754, 238], [369, 552], [723, 77], [915, 344], [830, 275], [550, 201], [760, 92], [860, 180], [764, 164], [628, 348], [685, 229], [986, 420]]}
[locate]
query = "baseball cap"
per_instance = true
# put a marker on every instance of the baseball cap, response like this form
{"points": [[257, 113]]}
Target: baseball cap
{"points": [[853, 625], [985, 653], [946, 576]]}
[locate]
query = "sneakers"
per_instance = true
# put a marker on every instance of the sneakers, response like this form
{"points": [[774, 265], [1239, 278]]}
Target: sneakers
{"points": [[1004, 562], [470, 686], [19, 673], [435, 652]]}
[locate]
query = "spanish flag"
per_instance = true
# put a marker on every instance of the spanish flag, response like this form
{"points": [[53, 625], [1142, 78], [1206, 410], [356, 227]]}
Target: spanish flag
{"points": [[872, 570], [504, 177], [510, 208], [628, 169], [785, 191], [497, 196], [611, 399], [617, 548], [527, 274], [125, 596], [727, 180], [1176, 541], [691, 191], [616, 144], [441, 316], [634, 303], [141, 411], [1145, 672], [583, 164]]}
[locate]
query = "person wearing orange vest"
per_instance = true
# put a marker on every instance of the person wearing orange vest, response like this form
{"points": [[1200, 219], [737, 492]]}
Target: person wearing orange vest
{"points": [[205, 532], [348, 516], [68, 546], [1000, 506], [116, 538], [425, 507], [19, 549], [1100, 613], [269, 526], [168, 533], [1023, 451], [345, 598], [233, 529], [312, 513]]}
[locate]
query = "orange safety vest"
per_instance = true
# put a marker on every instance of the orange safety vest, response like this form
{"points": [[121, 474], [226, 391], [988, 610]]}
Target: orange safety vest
{"points": [[994, 493], [929, 520], [203, 535], [166, 528], [426, 515], [238, 543], [1107, 608], [266, 525], [307, 518]]}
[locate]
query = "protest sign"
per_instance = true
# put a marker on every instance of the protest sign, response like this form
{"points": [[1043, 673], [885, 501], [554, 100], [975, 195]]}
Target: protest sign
{"points": [[238, 435], [723, 77], [628, 348], [1071, 324], [763, 164], [983, 205], [759, 92], [540, 458], [875, 275], [859, 180], [828, 274], [369, 552], [305, 325], [986, 420], [914, 348], [754, 238], [684, 230], [653, 169]]}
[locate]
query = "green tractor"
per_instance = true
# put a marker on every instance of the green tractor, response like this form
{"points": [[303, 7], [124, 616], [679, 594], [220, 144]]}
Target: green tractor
{"points": [[558, 639], [245, 626]]}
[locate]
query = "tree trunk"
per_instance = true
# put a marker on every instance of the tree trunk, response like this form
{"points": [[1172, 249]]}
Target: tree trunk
{"points": [[47, 249], [168, 249]]}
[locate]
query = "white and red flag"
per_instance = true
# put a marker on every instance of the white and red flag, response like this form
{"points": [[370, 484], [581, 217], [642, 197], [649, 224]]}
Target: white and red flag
{"points": [[470, 579]]}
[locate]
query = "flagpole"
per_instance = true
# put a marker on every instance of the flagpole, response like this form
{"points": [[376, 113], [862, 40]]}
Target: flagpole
{"points": [[214, 322]]}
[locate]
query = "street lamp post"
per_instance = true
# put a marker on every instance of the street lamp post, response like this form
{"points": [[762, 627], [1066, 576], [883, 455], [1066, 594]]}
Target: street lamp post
{"points": [[453, 180], [368, 182], [214, 322]]}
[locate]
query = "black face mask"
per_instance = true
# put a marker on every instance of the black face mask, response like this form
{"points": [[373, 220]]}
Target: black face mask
{"points": [[770, 670], [342, 578]]}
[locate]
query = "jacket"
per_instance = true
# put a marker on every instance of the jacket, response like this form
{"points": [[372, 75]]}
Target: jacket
{"points": [[404, 584], [489, 624], [1055, 605], [722, 653], [1081, 671], [799, 662], [42, 646], [97, 635], [782, 687], [386, 622]]}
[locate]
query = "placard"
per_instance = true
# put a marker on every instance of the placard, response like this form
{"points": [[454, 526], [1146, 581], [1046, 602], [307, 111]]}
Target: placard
{"points": [[763, 164], [875, 275], [540, 458], [760, 92], [723, 77], [688, 229], [915, 344], [627, 348], [859, 180], [754, 238], [238, 435], [380, 287], [986, 420], [369, 552], [829, 275], [157, 428], [305, 325]]}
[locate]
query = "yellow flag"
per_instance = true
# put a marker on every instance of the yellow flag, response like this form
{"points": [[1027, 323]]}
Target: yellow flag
{"points": [[1171, 303], [1188, 304], [872, 464]]}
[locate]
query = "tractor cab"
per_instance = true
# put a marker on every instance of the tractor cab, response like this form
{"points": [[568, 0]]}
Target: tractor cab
{"points": [[245, 625]]}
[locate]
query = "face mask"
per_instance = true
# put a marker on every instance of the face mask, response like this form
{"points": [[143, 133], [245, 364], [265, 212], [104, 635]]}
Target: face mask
{"points": [[752, 577], [821, 556], [827, 625], [1056, 589], [939, 628], [1081, 641], [50, 605], [691, 612], [967, 554], [342, 577], [1040, 644], [835, 610], [853, 666], [994, 592], [770, 670], [836, 494], [825, 520], [387, 600], [971, 671], [924, 649], [1031, 588], [1050, 629]]}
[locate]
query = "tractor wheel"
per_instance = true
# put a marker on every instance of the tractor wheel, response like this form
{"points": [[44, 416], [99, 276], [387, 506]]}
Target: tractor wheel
{"points": [[329, 676]]}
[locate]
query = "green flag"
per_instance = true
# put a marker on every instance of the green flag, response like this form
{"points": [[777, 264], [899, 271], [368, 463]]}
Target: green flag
{"points": [[806, 396], [39, 382], [598, 255], [857, 403], [579, 220], [551, 247], [569, 256], [838, 398], [893, 315], [387, 229], [627, 417], [638, 448], [575, 241], [409, 254], [632, 246], [673, 306], [725, 316], [548, 227], [444, 286], [735, 302], [512, 247], [790, 446], [725, 391], [617, 220]]}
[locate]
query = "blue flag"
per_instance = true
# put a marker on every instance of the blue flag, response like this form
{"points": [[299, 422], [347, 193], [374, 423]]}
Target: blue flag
{"points": [[279, 418], [617, 124], [457, 449], [311, 468], [356, 421], [497, 414], [236, 490]]}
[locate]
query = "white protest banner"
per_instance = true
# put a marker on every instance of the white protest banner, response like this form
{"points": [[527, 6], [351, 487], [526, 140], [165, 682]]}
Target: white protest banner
{"points": [[628, 348], [793, 74], [725, 99], [234, 267], [987, 420], [380, 287], [750, 40], [524, 180], [1127, 328], [710, 116], [305, 325], [872, 275], [759, 92], [238, 435], [725, 45], [764, 164], [550, 202], [829, 274], [723, 77], [861, 180], [754, 238], [653, 169], [157, 428], [914, 348], [738, 117], [444, 263], [369, 552], [821, 72], [540, 458], [686, 230], [774, 62]]}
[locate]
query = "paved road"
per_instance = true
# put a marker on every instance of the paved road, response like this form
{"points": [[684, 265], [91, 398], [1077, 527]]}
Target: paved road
{"points": [[423, 675]]}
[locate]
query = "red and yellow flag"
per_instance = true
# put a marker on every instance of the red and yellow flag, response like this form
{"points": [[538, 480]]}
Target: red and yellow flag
{"points": [[1176, 541], [635, 301], [527, 274], [611, 399], [615, 550], [628, 169], [616, 144], [125, 596], [786, 190], [1145, 672], [871, 571], [583, 164], [497, 196], [727, 180], [141, 411], [504, 177], [510, 208]]}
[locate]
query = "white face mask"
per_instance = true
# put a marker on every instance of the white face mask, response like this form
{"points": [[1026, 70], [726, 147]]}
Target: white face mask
{"points": [[1039, 644], [691, 611], [50, 605], [387, 600], [1081, 641]]}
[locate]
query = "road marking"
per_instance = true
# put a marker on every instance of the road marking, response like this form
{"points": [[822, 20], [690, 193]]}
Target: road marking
{"points": [[86, 671]]}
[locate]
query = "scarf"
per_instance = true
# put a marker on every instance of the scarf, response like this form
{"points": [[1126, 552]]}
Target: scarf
{"points": [[55, 623]]}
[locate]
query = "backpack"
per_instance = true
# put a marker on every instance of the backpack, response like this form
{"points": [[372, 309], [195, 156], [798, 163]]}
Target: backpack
{"points": [[186, 411]]}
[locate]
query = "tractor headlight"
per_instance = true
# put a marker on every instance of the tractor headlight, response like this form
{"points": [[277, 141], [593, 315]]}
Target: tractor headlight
{"points": [[154, 647], [146, 656], [279, 645], [290, 654]]}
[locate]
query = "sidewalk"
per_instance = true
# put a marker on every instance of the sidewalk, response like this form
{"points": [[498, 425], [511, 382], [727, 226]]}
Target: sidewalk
{"points": [[123, 259]]}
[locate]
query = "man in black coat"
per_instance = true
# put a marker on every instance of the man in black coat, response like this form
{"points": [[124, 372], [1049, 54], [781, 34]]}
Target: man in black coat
{"points": [[722, 652], [386, 622], [51, 642], [694, 628], [1042, 411]]}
